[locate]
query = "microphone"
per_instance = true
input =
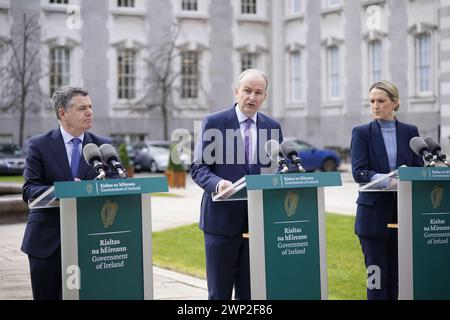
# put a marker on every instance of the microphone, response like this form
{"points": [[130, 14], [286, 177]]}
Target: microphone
{"points": [[93, 157], [272, 148], [435, 149], [111, 158], [290, 151], [420, 147]]}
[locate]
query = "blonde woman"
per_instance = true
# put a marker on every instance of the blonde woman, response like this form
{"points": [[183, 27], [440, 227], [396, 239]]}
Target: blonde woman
{"points": [[378, 148]]}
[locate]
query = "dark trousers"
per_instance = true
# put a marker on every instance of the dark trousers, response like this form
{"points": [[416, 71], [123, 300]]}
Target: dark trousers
{"points": [[382, 253], [227, 265], [46, 276]]}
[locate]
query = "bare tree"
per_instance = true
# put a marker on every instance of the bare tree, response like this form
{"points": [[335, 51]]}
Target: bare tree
{"points": [[20, 71], [162, 76]]}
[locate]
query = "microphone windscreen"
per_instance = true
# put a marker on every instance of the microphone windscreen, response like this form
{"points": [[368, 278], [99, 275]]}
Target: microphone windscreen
{"points": [[289, 149], [272, 148], [108, 153], [91, 152], [418, 145], [433, 145]]}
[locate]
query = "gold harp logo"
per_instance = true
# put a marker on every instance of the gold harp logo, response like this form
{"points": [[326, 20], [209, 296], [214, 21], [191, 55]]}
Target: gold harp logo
{"points": [[89, 188], [436, 196], [291, 203], [109, 212]]}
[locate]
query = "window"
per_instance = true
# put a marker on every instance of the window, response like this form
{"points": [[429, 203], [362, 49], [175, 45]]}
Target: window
{"points": [[125, 3], [59, 68], [423, 63], [189, 74], [333, 72], [296, 6], [375, 61], [126, 73], [189, 5], [248, 61], [59, 2], [333, 3], [248, 7], [296, 77]]}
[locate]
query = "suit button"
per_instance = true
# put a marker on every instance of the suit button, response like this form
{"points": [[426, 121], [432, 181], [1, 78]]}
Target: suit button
{"points": [[362, 173]]}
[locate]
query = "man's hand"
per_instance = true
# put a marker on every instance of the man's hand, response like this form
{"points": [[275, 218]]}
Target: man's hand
{"points": [[222, 185]]}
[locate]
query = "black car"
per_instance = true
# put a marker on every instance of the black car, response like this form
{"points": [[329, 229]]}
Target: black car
{"points": [[12, 160]]}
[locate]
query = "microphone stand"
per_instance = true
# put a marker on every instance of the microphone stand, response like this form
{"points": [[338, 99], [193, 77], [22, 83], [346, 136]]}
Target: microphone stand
{"points": [[429, 163], [101, 176]]}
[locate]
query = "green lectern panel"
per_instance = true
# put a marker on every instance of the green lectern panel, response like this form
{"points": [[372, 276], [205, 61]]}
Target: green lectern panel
{"points": [[431, 233], [110, 247], [292, 244]]}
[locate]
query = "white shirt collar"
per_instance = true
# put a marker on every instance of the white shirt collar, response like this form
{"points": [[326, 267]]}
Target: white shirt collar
{"points": [[67, 136], [242, 117]]}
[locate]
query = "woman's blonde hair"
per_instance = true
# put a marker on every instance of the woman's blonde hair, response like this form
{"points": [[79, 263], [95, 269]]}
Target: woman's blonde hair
{"points": [[390, 88]]}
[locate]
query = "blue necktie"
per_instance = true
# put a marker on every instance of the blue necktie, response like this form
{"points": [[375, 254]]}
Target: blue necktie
{"points": [[75, 160], [248, 142]]}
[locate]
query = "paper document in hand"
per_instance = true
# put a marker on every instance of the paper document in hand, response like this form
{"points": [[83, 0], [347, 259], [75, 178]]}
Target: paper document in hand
{"points": [[227, 194], [387, 182]]}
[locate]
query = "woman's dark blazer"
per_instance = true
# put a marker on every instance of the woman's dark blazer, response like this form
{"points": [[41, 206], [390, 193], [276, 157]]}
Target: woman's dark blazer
{"points": [[376, 210]]}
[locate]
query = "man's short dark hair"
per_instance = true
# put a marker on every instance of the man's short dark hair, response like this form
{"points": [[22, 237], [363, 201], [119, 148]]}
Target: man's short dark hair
{"points": [[61, 98]]}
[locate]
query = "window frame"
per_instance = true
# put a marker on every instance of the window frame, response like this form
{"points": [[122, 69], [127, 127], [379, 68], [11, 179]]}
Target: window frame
{"points": [[126, 81], [371, 65], [67, 53], [418, 64], [189, 3], [245, 4], [127, 4], [252, 60], [58, 2], [293, 77], [190, 82], [333, 72]]}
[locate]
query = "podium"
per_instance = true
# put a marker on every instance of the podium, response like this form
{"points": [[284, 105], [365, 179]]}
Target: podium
{"points": [[106, 240], [287, 241], [423, 233]]}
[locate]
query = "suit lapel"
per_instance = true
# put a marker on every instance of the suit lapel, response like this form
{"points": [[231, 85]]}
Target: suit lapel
{"points": [[379, 147], [262, 126], [59, 153], [402, 145]]}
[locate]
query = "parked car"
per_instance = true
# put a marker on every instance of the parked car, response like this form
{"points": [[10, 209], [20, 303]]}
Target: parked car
{"points": [[12, 160], [154, 156], [316, 159]]}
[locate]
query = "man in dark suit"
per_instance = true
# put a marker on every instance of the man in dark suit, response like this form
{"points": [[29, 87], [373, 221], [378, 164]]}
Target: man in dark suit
{"points": [[51, 157], [231, 146]]}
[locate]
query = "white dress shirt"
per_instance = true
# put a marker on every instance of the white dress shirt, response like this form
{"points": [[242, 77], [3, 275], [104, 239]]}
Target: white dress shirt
{"points": [[67, 137], [253, 131]]}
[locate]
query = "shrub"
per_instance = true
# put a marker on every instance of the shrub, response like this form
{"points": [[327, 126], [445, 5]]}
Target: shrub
{"points": [[175, 164], [123, 154]]}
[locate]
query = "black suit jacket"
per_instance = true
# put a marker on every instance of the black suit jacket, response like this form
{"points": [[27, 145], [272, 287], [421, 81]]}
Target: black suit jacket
{"points": [[47, 163]]}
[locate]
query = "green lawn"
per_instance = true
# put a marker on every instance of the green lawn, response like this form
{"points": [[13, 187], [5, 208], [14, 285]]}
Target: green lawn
{"points": [[182, 250], [11, 179]]}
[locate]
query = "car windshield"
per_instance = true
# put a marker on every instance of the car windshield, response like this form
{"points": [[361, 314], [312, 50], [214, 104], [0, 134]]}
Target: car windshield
{"points": [[301, 145], [10, 148], [157, 150]]}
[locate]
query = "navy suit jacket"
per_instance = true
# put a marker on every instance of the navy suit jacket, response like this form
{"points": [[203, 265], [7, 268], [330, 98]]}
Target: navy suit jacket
{"points": [[47, 163], [227, 218], [377, 209]]}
